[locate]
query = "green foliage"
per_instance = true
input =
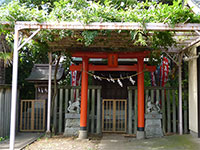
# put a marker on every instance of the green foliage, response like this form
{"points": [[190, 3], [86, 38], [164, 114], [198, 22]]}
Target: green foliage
{"points": [[101, 11], [3, 138], [87, 12]]}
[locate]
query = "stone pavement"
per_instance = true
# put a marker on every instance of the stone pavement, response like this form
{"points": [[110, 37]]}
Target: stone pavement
{"points": [[172, 142], [21, 140]]}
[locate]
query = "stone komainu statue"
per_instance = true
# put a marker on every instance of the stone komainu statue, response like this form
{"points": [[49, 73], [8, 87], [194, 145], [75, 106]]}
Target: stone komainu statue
{"points": [[151, 107], [74, 106]]}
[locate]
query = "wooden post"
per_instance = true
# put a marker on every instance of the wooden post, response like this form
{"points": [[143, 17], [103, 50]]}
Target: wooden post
{"points": [[84, 92], [60, 110], [93, 111], [88, 111], [49, 96], [130, 113], [55, 114], [168, 112], [163, 110], [66, 99], [136, 111], [174, 111], [180, 95], [98, 111], [140, 128], [14, 89]]}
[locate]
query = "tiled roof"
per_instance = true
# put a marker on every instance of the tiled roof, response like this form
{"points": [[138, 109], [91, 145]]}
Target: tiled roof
{"points": [[40, 72]]}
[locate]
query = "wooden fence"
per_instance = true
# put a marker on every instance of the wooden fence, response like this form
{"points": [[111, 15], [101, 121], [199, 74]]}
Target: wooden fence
{"points": [[169, 108], [168, 99], [5, 110], [67, 93], [32, 115]]}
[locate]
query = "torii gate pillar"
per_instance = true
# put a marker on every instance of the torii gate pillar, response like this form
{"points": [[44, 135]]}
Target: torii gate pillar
{"points": [[84, 97], [140, 128]]}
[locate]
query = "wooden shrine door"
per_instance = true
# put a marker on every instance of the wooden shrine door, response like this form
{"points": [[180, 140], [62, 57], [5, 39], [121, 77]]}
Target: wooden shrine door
{"points": [[114, 115]]}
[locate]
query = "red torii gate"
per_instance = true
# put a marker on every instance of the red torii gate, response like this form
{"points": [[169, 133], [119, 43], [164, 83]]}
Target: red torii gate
{"points": [[112, 66]]}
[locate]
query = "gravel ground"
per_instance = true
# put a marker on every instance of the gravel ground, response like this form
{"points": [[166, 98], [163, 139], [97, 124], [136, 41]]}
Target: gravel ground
{"points": [[64, 143]]}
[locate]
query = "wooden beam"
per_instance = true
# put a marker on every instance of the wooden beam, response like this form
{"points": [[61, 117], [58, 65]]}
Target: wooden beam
{"points": [[107, 26], [107, 68], [105, 54]]}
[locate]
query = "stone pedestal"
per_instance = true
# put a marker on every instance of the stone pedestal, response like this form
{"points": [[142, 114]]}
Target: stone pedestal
{"points": [[153, 126], [72, 124]]}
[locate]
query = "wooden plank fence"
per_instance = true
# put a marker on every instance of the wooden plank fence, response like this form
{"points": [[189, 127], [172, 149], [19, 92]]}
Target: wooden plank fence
{"points": [[168, 98], [68, 93], [5, 109]]}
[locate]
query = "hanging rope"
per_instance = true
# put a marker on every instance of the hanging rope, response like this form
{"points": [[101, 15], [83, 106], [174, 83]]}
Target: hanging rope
{"points": [[114, 79]]}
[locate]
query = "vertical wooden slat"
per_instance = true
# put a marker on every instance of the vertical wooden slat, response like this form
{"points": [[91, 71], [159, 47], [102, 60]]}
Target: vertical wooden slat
{"points": [[185, 115], [72, 95], [125, 115], [122, 107], [9, 108], [119, 116], [77, 94], [60, 111], [28, 119], [88, 111], [36, 122], [114, 116], [93, 111], [41, 114], [1, 112], [107, 114], [130, 99], [152, 96], [103, 116], [21, 115], [6, 114], [32, 114], [44, 112], [168, 112], [157, 95], [163, 111], [110, 121], [98, 111], [66, 99], [174, 111], [25, 112], [146, 99], [136, 112], [55, 114]]}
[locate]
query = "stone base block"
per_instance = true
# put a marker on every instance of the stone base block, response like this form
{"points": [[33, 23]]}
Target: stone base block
{"points": [[140, 135], [82, 134], [153, 126], [72, 124], [71, 131]]}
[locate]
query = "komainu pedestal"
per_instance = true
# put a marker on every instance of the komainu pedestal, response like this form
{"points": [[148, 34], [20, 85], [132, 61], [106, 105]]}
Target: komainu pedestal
{"points": [[153, 126], [72, 124]]}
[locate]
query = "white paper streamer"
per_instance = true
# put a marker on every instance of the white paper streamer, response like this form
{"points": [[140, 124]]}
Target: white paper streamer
{"points": [[108, 80], [111, 79], [132, 81], [120, 83], [99, 78]]}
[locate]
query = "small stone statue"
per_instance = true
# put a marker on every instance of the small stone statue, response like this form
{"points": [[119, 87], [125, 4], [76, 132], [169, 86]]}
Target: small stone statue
{"points": [[151, 107], [74, 106]]}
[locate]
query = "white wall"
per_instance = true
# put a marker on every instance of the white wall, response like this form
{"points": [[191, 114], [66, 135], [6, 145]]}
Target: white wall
{"points": [[192, 73]]}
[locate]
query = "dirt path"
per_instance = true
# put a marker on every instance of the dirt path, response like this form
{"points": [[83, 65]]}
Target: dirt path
{"points": [[64, 143]]}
